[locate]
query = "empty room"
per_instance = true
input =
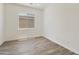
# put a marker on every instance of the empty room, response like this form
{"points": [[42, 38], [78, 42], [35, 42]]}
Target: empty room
{"points": [[39, 28]]}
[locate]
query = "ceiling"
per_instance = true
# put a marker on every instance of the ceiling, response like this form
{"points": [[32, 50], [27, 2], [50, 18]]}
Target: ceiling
{"points": [[35, 5]]}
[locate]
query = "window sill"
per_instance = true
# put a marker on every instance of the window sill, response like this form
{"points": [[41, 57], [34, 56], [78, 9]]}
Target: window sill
{"points": [[25, 28]]}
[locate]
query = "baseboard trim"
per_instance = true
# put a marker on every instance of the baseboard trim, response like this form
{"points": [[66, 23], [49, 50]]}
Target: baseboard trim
{"points": [[60, 44], [20, 38], [1, 43]]}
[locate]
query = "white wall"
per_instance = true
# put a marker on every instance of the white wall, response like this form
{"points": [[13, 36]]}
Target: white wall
{"points": [[11, 21], [1, 23], [61, 25]]}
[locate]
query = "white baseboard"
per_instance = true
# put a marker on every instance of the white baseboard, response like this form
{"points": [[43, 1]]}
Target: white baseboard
{"points": [[1, 43], [21, 37], [59, 43]]}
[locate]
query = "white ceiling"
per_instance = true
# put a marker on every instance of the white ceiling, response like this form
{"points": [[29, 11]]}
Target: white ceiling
{"points": [[35, 5]]}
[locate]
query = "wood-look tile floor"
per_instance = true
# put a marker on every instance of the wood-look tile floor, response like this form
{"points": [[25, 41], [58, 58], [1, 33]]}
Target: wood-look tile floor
{"points": [[33, 46]]}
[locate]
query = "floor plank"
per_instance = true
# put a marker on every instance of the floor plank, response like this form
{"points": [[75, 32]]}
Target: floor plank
{"points": [[33, 46]]}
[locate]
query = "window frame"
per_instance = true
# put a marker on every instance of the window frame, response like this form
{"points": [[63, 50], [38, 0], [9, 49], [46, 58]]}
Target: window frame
{"points": [[24, 14]]}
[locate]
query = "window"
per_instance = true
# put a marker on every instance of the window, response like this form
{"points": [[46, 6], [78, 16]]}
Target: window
{"points": [[26, 21]]}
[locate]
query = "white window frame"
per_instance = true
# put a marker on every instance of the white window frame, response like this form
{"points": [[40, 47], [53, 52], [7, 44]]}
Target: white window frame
{"points": [[25, 14]]}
